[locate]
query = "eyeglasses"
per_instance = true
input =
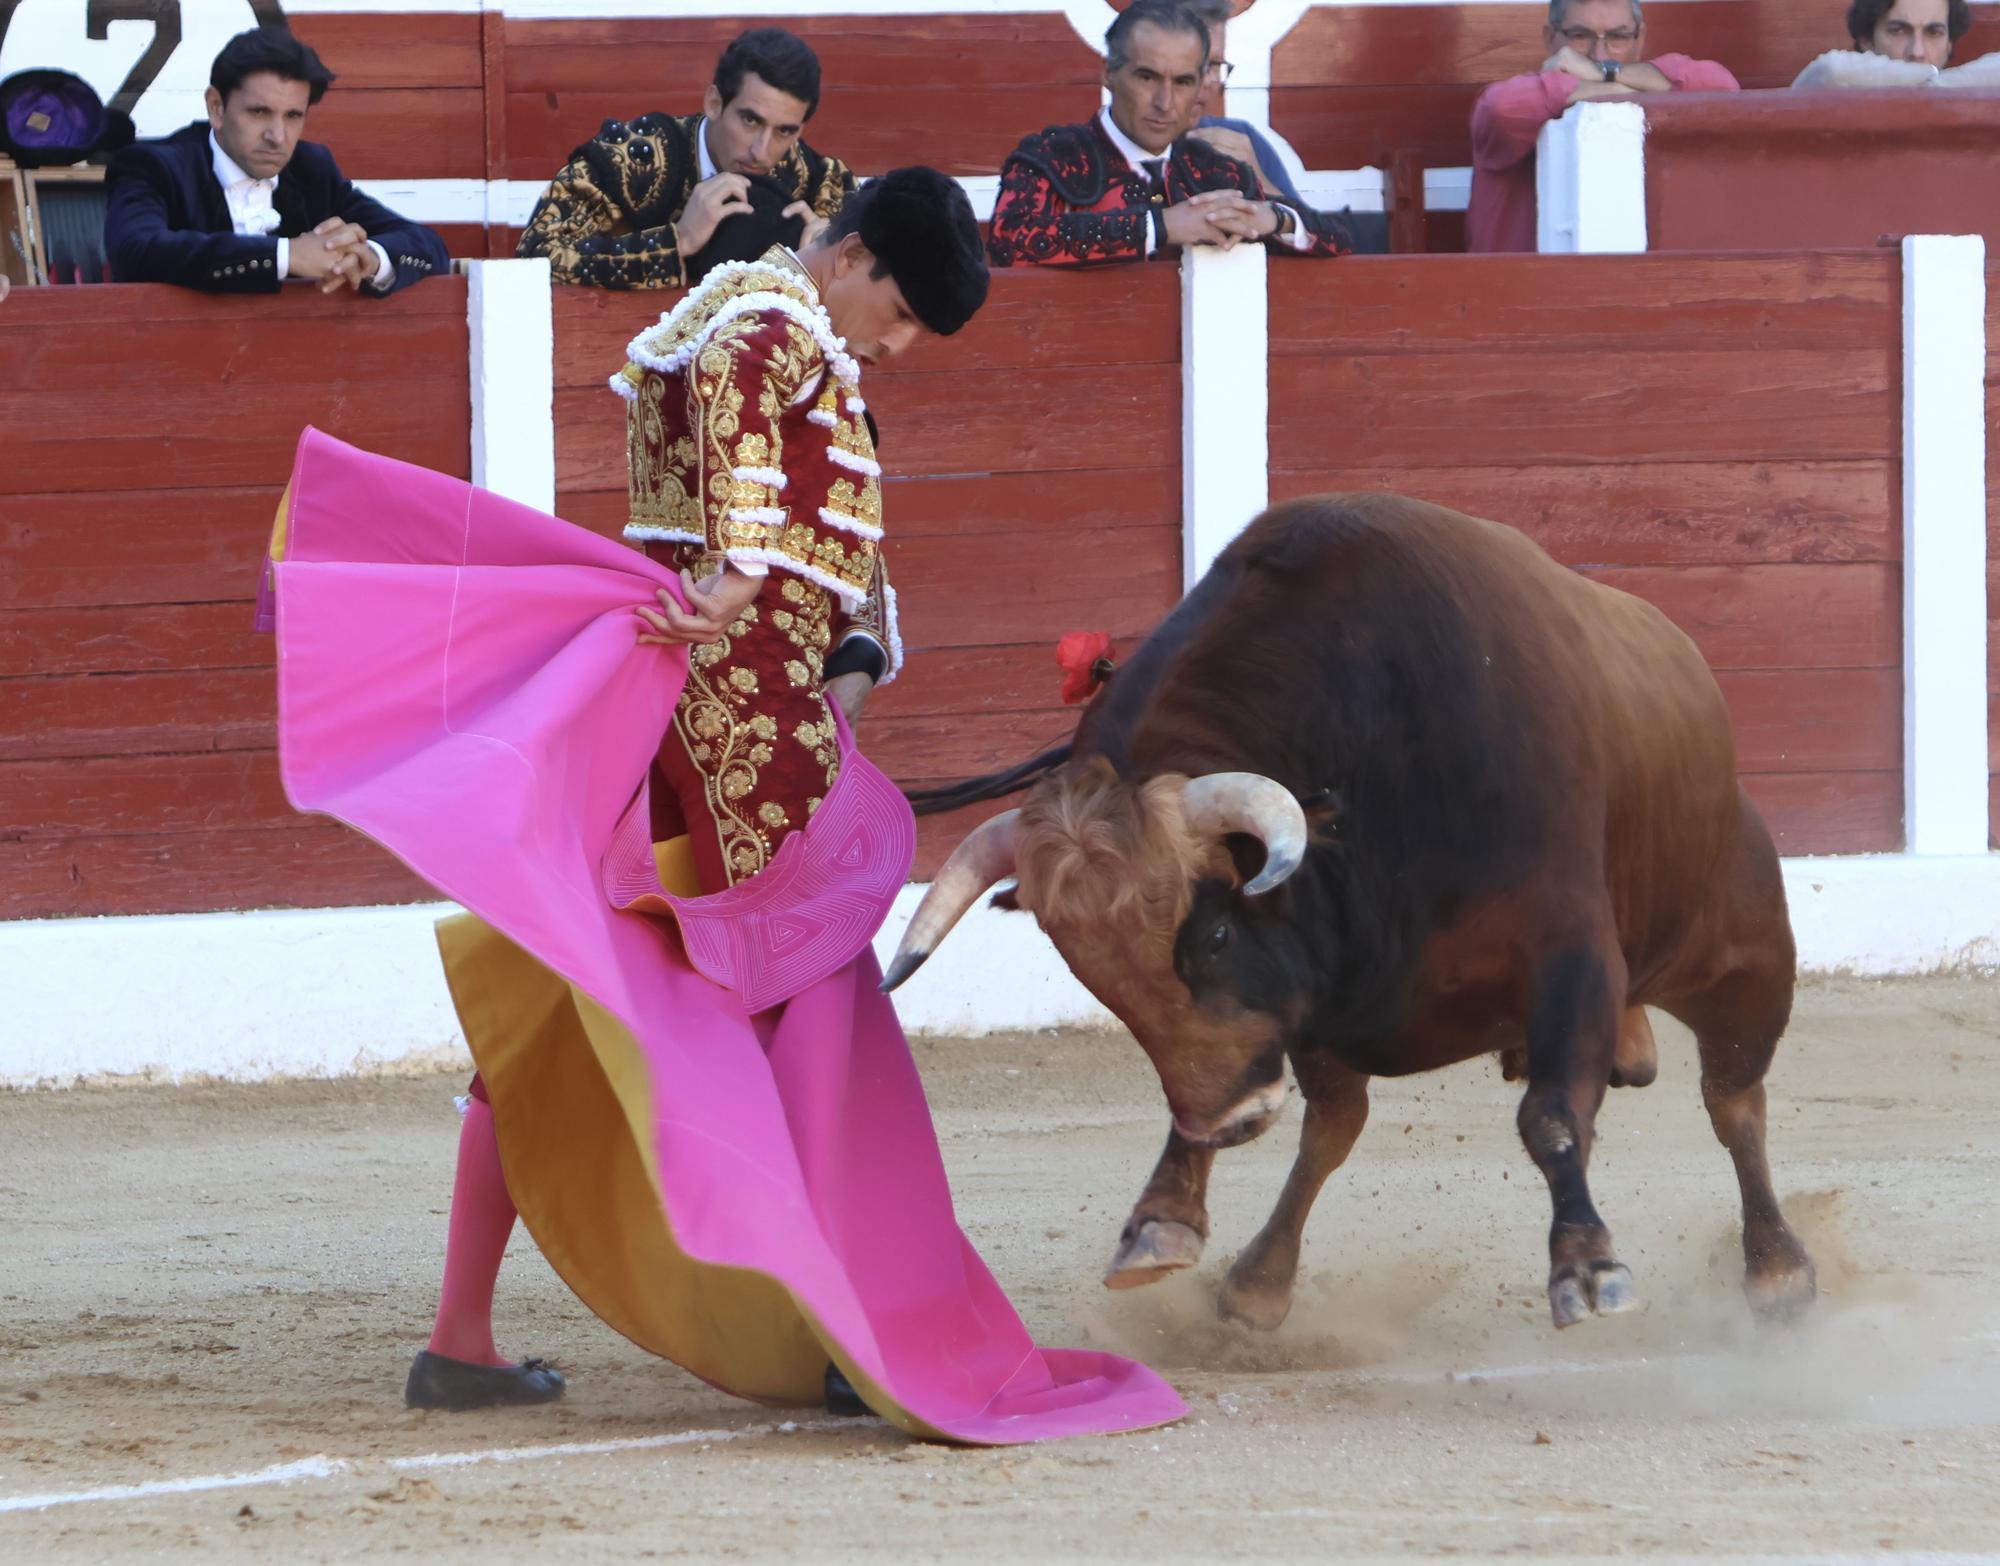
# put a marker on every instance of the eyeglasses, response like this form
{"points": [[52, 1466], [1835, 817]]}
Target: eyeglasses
{"points": [[1221, 71], [1581, 38]]}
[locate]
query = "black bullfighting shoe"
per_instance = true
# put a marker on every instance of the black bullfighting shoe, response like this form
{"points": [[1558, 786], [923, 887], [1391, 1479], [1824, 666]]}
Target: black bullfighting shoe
{"points": [[841, 1398], [437, 1382]]}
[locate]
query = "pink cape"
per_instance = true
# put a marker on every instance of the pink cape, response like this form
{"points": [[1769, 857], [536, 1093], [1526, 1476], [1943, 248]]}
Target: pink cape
{"points": [[459, 678]]}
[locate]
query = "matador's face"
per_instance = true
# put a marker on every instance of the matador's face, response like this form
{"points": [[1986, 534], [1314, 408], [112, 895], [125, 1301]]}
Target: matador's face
{"points": [[869, 311]]}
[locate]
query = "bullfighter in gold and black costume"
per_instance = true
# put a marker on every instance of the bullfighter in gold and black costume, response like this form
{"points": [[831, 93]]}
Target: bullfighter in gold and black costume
{"points": [[657, 201]]}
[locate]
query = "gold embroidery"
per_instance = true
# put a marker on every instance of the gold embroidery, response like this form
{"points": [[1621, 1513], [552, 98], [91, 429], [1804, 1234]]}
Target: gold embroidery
{"points": [[731, 742], [796, 672]]}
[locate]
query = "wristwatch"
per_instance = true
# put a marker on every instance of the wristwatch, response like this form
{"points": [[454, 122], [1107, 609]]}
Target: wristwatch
{"points": [[1609, 68]]}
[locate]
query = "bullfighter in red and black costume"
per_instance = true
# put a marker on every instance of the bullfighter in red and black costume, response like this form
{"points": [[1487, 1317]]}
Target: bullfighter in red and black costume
{"points": [[1132, 183], [1069, 195]]}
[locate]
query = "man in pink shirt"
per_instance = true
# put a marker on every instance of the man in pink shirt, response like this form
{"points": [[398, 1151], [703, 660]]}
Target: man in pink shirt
{"points": [[1596, 46]]}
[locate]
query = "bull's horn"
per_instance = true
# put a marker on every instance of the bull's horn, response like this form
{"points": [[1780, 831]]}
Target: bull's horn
{"points": [[1253, 804], [984, 858]]}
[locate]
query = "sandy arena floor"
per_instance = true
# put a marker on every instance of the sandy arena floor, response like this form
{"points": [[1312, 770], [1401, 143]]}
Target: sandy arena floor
{"points": [[219, 1283]]}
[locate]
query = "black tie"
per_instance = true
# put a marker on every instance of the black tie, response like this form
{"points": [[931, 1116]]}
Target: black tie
{"points": [[1156, 176]]}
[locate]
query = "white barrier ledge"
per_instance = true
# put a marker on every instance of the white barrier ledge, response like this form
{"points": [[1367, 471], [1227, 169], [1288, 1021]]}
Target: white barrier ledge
{"points": [[339, 992]]}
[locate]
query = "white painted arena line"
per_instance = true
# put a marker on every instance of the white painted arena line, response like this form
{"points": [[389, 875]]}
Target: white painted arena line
{"points": [[284, 1473], [322, 1467]]}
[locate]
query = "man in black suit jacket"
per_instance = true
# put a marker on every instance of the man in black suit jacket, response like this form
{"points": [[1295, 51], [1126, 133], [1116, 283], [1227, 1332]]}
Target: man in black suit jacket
{"points": [[239, 204]]}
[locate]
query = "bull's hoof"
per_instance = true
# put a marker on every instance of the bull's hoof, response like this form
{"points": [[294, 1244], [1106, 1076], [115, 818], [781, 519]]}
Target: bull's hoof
{"points": [[1261, 1307], [1151, 1250], [1599, 1288], [1782, 1297]]}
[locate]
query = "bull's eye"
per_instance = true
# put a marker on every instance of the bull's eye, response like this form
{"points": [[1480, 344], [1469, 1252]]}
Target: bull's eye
{"points": [[1218, 938]]}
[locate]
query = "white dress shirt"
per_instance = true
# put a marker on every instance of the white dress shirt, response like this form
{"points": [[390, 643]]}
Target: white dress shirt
{"points": [[251, 212], [1139, 158]]}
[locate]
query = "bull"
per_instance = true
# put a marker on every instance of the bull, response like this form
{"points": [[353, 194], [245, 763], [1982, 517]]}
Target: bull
{"points": [[1391, 789]]}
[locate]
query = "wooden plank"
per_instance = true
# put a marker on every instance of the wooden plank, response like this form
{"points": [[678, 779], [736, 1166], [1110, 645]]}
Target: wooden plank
{"points": [[1764, 45], [1479, 410], [143, 795], [1816, 720], [306, 864], [1121, 581], [110, 307], [1520, 306], [933, 423], [1660, 513], [172, 436], [1831, 812], [1363, 125], [1112, 317], [375, 49], [675, 57], [1777, 616], [130, 639], [195, 353], [189, 545], [404, 133], [137, 714], [463, 239]]}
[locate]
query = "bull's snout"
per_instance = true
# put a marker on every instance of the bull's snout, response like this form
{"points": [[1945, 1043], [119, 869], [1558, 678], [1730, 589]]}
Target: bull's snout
{"points": [[1244, 1122]]}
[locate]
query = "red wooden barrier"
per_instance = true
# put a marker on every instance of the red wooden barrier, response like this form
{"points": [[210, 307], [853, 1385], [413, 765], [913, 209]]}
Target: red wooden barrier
{"points": [[1033, 488], [1357, 86], [1717, 434], [149, 434], [1819, 170]]}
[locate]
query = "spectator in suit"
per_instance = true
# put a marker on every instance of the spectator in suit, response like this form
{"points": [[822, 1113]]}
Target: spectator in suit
{"points": [[1902, 43], [1597, 50], [656, 202], [1133, 182], [241, 204]]}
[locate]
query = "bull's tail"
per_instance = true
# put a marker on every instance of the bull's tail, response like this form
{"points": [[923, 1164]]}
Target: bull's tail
{"points": [[994, 785]]}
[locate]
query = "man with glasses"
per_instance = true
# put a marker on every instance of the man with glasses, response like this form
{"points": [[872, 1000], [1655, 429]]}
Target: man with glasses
{"points": [[1237, 139], [1597, 51], [1131, 183]]}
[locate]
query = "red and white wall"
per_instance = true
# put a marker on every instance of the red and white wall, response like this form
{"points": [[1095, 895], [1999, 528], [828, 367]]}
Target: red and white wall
{"points": [[1787, 452]]}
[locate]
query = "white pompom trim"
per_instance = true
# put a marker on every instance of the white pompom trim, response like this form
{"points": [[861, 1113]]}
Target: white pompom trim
{"points": [[764, 516], [852, 597], [623, 387], [848, 524], [650, 532], [865, 466], [812, 317], [769, 477]]}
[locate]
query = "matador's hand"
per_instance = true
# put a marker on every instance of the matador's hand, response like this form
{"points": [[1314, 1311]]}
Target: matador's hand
{"points": [[713, 604]]}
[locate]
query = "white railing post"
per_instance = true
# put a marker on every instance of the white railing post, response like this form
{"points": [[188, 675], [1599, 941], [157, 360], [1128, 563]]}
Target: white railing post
{"points": [[1590, 181], [1944, 544], [510, 312], [1225, 400]]}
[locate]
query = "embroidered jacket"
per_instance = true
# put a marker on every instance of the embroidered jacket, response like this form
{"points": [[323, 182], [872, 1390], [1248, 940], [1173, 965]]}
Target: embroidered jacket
{"points": [[607, 217], [1068, 196], [749, 442]]}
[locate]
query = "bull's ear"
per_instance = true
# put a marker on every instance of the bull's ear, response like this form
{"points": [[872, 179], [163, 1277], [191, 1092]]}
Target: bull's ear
{"points": [[1322, 808], [1006, 900]]}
